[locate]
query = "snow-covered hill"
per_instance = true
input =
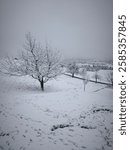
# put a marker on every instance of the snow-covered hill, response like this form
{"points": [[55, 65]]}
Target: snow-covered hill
{"points": [[62, 117]]}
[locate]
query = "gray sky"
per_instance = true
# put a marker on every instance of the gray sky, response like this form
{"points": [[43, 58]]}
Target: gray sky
{"points": [[79, 28]]}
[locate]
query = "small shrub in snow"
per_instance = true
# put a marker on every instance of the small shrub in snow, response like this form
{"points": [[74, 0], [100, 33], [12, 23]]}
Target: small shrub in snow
{"points": [[60, 126], [88, 127]]}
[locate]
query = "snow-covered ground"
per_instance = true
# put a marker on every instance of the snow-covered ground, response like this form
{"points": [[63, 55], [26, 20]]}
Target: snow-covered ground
{"points": [[102, 76], [63, 117]]}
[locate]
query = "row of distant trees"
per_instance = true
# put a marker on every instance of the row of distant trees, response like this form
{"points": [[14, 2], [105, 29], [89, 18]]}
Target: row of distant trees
{"points": [[73, 69], [92, 67]]}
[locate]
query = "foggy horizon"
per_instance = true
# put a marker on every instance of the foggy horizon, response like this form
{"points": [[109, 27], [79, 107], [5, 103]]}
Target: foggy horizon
{"points": [[77, 28]]}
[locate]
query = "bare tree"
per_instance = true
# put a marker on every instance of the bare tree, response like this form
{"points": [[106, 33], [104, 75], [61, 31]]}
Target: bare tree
{"points": [[40, 63], [96, 75], [72, 68], [109, 77], [85, 77]]}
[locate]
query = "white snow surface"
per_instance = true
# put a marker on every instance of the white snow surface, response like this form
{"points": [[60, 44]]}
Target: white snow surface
{"points": [[63, 117]]}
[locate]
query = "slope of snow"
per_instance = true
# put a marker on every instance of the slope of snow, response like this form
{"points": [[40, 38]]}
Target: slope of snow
{"points": [[62, 117]]}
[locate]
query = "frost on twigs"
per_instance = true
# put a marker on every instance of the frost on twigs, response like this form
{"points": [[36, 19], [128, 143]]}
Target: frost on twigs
{"points": [[41, 63]]}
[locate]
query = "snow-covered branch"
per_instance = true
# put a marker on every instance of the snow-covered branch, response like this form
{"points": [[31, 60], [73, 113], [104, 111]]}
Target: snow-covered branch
{"points": [[41, 63]]}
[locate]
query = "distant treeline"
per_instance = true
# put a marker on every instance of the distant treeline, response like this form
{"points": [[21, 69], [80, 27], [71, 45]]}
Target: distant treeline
{"points": [[89, 64], [92, 67]]}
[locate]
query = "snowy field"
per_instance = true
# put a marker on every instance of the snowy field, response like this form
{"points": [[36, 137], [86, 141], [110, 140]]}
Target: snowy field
{"points": [[63, 117]]}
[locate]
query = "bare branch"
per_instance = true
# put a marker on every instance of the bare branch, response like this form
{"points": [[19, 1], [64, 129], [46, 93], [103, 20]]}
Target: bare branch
{"points": [[40, 63]]}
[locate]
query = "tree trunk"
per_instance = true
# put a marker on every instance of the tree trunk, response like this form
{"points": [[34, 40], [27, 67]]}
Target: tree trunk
{"points": [[96, 79], [84, 87], [42, 85], [72, 75]]}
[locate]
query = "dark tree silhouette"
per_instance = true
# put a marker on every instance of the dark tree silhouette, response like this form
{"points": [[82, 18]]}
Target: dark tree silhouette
{"points": [[72, 68]]}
